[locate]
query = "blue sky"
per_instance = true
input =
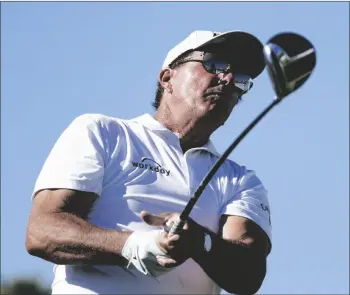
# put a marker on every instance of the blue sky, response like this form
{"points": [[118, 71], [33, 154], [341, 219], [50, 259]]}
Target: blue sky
{"points": [[60, 60]]}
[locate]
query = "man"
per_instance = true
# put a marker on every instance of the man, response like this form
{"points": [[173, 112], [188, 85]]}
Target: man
{"points": [[110, 188]]}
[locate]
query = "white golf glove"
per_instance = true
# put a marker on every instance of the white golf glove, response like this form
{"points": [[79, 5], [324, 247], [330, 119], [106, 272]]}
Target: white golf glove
{"points": [[141, 250]]}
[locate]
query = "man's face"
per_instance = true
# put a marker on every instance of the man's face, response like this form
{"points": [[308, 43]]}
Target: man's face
{"points": [[202, 95]]}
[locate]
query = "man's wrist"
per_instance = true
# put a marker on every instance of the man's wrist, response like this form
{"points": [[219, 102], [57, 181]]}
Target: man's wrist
{"points": [[141, 250]]}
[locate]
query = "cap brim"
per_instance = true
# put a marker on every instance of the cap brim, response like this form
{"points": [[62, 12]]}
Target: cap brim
{"points": [[243, 49]]}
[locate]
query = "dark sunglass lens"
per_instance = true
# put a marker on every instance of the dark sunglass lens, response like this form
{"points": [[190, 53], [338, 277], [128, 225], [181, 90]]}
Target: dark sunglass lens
{"points": [[215, 66], [222, 66], [209, 66], [243, 82]]}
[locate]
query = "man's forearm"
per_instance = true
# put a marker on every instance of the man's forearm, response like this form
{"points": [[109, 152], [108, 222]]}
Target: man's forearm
{"points": [[234, 266], [64, 238]]}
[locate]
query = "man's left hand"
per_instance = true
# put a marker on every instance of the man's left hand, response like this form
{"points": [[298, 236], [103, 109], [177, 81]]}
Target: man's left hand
{"points": [[178, 247]]}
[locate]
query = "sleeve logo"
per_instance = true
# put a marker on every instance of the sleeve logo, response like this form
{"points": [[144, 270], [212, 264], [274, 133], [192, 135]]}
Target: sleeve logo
{"points": [[266, 209]]}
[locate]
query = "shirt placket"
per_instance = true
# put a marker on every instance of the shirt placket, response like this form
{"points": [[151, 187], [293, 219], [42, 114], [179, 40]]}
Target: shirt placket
{"points": [[191, 178]]}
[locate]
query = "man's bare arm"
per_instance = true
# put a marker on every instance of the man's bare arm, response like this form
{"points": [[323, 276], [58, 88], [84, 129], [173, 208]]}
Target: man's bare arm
{"points": [[237, 260], [58, 231]]}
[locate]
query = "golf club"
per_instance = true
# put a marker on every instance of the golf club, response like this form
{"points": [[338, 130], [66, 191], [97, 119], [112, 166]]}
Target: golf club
{"points": [[290, 59]]}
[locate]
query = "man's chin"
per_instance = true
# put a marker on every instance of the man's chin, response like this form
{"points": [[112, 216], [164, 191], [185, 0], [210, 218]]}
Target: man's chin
{"points": [[216, 118]]}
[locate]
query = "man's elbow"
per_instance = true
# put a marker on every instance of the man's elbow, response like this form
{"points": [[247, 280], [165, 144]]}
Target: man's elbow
{"points": [[35, 244]]}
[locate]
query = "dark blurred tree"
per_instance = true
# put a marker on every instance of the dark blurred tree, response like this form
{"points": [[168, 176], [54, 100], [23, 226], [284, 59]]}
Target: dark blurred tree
{"points": [[24, 287]]}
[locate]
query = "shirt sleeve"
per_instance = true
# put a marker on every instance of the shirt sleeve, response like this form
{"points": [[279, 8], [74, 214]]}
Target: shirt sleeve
{"points": [[77, 159], [249, 200]]}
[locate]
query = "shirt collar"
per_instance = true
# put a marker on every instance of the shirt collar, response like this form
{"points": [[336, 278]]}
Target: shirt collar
{"points": [[152, 124]]}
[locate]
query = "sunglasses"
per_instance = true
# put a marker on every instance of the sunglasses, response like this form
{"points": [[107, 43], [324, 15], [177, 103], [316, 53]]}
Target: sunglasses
{"points": [[215, 65]]}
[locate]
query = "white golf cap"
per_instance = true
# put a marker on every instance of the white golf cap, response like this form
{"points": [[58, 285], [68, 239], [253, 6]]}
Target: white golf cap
{"points": [[244, 49]]}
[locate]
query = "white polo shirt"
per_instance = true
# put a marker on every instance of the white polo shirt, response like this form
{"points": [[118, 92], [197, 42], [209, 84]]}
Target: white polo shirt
{"points": [[136, 165]]}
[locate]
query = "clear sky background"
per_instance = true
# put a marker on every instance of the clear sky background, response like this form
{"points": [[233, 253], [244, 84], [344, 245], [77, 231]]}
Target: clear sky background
{"points": [[60, 60]]}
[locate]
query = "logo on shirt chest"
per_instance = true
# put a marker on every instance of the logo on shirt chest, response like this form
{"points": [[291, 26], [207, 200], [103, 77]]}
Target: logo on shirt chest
{"points": [[149, 164]]}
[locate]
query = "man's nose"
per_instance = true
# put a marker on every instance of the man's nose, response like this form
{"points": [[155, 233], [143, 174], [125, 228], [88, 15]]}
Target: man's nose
{"points": [[226, 78]]}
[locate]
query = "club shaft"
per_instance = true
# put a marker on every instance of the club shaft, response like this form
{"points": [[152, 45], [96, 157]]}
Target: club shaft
{"points": [[186, 212]]}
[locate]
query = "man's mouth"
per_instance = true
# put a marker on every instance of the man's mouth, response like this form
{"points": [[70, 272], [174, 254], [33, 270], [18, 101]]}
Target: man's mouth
{"points": [[215, 95]]}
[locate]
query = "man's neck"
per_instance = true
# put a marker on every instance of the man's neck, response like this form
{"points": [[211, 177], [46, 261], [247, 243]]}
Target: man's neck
{"points": [[188, 130]]}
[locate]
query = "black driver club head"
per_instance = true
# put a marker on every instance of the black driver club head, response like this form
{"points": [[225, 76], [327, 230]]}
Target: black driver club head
{"points": [[290, 59]]}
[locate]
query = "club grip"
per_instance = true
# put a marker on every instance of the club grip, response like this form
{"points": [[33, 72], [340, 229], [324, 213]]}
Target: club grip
{"points": [[300, 65], [176, 226]]}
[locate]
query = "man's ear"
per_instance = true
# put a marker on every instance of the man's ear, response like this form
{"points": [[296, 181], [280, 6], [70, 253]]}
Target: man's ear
{"points": [[164, 79]]}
